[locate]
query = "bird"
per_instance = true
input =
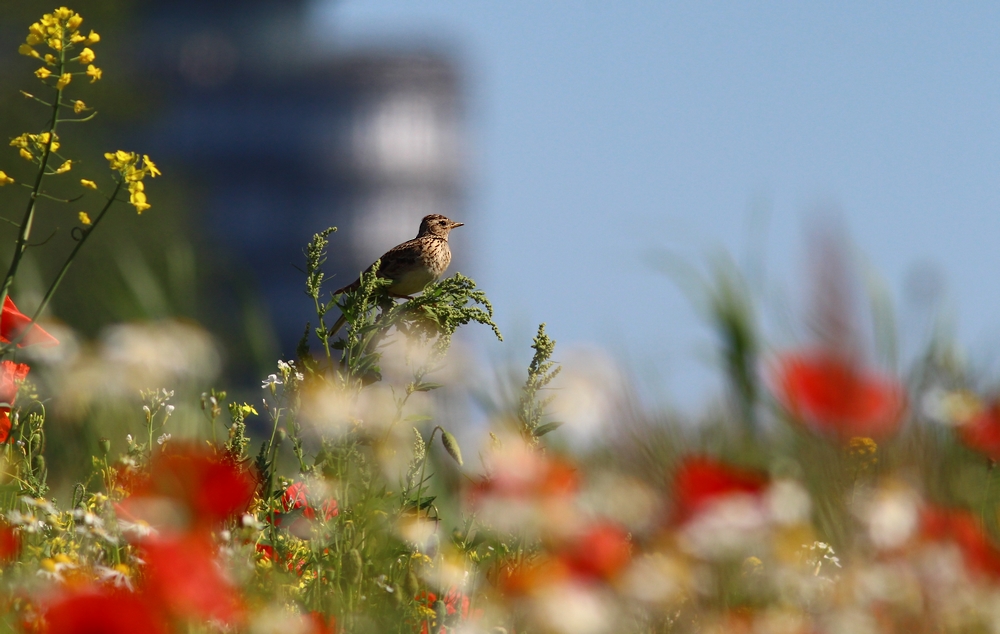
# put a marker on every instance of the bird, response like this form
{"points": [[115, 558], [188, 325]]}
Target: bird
{"points": [[413, 264]]}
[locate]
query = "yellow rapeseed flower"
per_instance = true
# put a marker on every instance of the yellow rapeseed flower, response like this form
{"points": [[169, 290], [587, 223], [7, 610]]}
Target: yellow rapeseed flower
{"points": [[55, 43], [79, 106], [42, 73], [65, 167], [64, 80], [25, 49], [138, 200], [94, 72], [88, 184], [50, 59], [62, 13], [74, 22], [86, 56], [84, 218], [93, 38], [150, 166], [5, 180], [26, 155]]}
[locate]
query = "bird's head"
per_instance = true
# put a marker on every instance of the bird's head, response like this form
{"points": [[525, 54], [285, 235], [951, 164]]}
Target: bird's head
{"points": [[436, 225]]}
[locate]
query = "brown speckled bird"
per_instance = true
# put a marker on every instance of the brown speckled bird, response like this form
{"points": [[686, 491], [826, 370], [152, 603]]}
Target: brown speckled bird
{"points": [[415, 263]]}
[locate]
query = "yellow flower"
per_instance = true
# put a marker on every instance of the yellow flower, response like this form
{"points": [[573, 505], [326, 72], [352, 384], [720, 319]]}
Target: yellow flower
{"points": [[94, 72], [121, 161], [93, 38], [5, 180], [64, 80], [150, 166], [79, 106], [74, 22], [86, 56], [25, 49], [42, 73], [55, 44], [50, 59], [26, 155], [84, 218], [76, 38], [88, 184], [65, 167], [62, 13], [36, 34], [20, 141], [138, 200]]}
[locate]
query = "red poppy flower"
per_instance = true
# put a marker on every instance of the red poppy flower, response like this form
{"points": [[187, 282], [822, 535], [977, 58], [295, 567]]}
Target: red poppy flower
{"points": [[982, 432], [456, 604], [700, 481], [599, 553], [980, 554], [210, 487], [91, 612], [183, 576], [834, 397], [294, 498], [11, 376], [10, 543], [12, 325], [322, 624]]}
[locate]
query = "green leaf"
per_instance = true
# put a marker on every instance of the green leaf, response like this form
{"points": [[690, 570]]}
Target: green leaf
{"points": [[541, 430], [425, 387]]}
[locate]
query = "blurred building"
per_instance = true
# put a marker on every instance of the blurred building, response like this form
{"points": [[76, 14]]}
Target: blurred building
{"points": [[283, 138]]}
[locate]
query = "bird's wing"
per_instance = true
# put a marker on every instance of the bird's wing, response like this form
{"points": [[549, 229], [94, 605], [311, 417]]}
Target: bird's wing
{"points": [[400, 259], [393, 263]]}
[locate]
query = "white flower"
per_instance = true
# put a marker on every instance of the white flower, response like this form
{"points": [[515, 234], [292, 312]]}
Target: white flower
{"points": [[117, 578], [162, 439], [170, 410], [271, 381]]}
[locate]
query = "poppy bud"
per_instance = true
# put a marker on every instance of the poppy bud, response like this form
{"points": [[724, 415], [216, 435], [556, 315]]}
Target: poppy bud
{"points": [[451, 446], [105, 446]]}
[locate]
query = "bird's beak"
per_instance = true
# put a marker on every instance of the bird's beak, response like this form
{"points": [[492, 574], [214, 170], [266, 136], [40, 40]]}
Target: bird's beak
{"points": [[457, 224]]}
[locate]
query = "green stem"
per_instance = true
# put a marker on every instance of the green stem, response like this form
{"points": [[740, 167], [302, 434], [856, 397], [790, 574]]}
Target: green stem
{"points": [[29, 215], [62, 273], [423, 465]]}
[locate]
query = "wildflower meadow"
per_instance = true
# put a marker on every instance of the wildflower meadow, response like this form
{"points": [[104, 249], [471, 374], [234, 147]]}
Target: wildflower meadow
{"points": [[830, 490]]}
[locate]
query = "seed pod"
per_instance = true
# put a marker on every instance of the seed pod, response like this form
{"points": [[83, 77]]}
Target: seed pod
{"points": [[104, 445], [451, 446], [440, 612], [357, 566], [412, 584], [36, 442], [38, 462]]}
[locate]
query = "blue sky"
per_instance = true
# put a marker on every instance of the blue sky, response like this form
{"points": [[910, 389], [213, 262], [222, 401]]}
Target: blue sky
{"points": [[603, 131]]}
